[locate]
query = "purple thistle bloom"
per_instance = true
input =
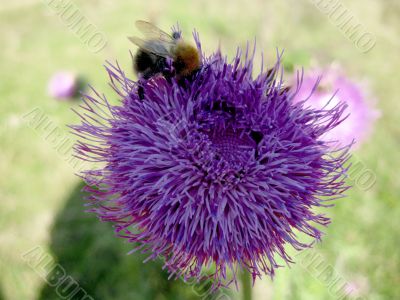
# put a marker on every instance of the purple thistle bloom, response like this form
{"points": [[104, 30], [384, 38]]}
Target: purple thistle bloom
{"points": [[334, 88], [63, 85], [214, 174]]}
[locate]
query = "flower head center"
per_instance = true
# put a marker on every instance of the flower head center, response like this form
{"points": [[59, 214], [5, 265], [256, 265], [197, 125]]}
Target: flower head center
{"points": [[233, 145]]}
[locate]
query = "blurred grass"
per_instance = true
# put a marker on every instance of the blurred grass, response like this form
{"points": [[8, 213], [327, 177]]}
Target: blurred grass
{"points": [[36, 183]]}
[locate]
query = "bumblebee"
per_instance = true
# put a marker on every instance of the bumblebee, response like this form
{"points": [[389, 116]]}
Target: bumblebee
{"points": [[157, 46]]}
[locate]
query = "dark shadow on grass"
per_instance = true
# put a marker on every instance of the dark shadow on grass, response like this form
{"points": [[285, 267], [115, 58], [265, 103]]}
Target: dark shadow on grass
{"points": [[89, 252]]}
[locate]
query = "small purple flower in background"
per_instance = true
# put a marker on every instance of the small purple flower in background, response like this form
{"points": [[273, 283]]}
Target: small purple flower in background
{"points": [[63, 85], [215, 174], [333, 88]]}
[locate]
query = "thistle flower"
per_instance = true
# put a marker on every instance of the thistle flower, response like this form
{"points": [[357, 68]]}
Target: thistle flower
{"points": [[333, 88], [63, 85], [214, 174]]}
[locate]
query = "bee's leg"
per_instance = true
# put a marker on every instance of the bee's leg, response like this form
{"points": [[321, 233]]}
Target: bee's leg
{"points": [[163, 68], [140, 87], [140, 92], [168, 75]]}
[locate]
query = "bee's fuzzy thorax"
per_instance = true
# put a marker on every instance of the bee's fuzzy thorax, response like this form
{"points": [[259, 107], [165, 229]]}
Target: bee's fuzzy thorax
{"points": [[187, 59]]}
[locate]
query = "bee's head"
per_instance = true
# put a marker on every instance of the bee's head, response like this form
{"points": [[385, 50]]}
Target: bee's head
{"points": [[176, 35]]}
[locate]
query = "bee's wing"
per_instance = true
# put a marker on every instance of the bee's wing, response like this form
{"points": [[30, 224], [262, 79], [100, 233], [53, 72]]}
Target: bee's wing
{"points": [[153, 46], [152, 32]]}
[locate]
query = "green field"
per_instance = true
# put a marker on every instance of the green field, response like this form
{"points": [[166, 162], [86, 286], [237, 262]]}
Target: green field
{"points": [[41, 206]]}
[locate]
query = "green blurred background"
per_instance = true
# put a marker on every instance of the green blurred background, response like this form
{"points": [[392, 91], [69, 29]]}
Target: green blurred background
{"points": [[41, 205]]}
